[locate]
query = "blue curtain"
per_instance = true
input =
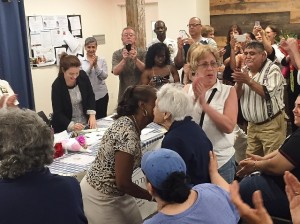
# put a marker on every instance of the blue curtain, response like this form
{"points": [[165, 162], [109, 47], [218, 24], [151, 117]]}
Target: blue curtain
{"points": [[14, 55]]}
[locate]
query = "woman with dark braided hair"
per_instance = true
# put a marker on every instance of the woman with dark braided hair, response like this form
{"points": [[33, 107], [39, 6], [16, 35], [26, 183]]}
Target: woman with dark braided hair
{"points": [[107, 189], [158, 70]]}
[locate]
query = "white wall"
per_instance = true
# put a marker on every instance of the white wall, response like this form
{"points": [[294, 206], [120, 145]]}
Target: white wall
{"points": [[107, 17]]}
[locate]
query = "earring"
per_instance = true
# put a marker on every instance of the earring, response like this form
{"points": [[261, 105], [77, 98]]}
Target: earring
{"points": [[145, 113]]}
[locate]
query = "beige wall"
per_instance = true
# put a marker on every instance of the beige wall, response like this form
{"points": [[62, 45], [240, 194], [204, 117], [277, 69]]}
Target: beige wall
{"points": [[107, 17]]}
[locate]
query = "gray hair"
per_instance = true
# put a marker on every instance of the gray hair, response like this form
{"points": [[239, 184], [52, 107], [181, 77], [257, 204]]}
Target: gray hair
{"points": [[26, 142], [171, 98], [255, 45], [90, 40]]}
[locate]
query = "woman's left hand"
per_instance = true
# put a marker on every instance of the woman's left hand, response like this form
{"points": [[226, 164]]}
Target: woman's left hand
{"points": [[92, 121]]}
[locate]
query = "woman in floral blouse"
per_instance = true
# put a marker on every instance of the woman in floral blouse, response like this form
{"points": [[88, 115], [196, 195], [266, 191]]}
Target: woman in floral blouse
{"points": [[107, 189]]}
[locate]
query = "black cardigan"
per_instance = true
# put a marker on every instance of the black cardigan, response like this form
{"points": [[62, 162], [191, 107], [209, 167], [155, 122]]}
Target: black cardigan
{"points": [[61, 101]]}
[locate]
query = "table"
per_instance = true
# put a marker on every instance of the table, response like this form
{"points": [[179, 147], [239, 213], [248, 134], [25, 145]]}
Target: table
{"points": [[77, 163], [74, 163]]}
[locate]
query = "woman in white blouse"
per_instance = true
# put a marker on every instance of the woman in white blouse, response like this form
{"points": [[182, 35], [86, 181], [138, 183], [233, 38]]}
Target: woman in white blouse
{"points": [[219, 116]]}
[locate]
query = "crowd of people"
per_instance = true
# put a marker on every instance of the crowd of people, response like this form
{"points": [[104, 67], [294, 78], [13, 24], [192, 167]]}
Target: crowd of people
{"points": [[191, 177]]}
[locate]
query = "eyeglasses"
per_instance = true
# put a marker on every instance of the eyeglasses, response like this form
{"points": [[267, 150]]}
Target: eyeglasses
{"points": [[206, 65], [251, 53], [193, 25], [128, 35]]}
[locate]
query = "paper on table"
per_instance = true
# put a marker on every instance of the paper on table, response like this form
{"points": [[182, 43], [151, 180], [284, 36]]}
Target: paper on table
{"points": [[78, 159], [60, 136], [149, 136], [94, 137], [109, 118], [147, 130]]}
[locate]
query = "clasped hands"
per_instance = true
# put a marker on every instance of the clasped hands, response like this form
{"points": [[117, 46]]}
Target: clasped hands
{"points": [[241, 77], [132, 54], [248, 165], [95, 59], [10, 100], [199, 90]]}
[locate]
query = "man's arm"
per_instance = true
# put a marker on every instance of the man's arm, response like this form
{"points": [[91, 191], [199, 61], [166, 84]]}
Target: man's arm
{"points": [[140, 65], [293, 52], [118, 63], [243, 77], [179, 58], [239, 89], [276, 165]]}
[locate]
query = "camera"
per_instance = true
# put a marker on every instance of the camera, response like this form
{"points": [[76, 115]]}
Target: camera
{"points": [[240, 38], [128, 47], [158, 80]]}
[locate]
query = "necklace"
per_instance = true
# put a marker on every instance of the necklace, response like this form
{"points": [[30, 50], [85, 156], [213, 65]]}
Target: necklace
{"points": [[135, 124]]}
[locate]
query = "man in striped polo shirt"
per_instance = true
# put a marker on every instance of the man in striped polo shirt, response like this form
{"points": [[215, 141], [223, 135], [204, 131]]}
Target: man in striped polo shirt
{"points": [[260, 90]]}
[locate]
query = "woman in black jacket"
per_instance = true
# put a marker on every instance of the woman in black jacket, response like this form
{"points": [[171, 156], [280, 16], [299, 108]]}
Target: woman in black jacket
{"points": [[73, 99]]}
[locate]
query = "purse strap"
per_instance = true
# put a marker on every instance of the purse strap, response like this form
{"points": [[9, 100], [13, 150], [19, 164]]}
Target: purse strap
{"points": [[208, 102]]}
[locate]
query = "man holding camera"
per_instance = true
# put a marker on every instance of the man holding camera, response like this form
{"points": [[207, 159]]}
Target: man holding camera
{"points": [[128, 62], [184, 43], [260, 90]]}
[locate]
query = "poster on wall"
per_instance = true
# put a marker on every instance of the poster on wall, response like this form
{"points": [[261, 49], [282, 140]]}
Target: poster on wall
{"points": [[50, 36], [44, 56], [58, 52]]}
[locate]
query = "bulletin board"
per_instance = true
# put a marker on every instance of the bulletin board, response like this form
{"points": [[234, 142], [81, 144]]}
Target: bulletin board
{"points": [[49, 36]]}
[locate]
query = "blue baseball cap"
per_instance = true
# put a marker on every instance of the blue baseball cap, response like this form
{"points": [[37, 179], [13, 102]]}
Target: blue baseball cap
{"points": [[159, 164]]}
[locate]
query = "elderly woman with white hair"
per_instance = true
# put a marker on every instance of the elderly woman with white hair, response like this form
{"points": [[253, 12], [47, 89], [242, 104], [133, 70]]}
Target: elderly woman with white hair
{"points": [[172, 110]]}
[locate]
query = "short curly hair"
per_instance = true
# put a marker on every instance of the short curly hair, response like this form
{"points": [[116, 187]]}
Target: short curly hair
{"points": [[26, 142], [154, 50], [200, 52]]}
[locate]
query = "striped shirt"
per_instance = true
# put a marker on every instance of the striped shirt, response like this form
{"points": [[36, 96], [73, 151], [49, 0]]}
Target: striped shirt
{"points": [[254, 107]]}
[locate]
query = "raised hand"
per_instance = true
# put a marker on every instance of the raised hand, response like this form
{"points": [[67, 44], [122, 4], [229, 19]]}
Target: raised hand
{"points": [[11, 100], [125, 53], [133, 53], [257, 215], [199, 89], [292, 189]]}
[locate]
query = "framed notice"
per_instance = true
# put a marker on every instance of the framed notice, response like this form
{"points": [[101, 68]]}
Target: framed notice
{"points": [[58, 52]]}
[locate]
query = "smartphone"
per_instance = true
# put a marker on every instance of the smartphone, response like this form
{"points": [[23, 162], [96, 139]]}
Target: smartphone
{"points": [[256, 23], [128, 47], [240, 38], [183, 34]]}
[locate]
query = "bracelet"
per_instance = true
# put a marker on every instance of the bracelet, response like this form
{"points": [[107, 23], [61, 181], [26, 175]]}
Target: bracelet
{"points": [[254, 165]]}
